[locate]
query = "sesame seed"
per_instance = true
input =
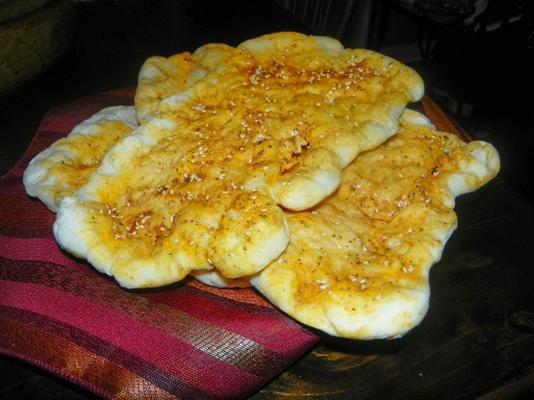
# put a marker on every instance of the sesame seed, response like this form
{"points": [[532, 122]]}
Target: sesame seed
{"points": [[407, 269], [199, 107], [402, 203], [323, 284]]}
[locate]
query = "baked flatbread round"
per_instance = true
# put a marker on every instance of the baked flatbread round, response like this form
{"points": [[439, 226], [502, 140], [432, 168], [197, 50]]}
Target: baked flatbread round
{"points": [[150, 229], [357, 265], [315, 104], [61, 169]]}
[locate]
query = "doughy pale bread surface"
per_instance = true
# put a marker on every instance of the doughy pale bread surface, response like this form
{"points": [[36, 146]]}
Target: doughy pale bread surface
{"points": [[197, 186], [314, 104], [215, 279], [161, 77], [357, 265], [148, 216], [61, 169]]}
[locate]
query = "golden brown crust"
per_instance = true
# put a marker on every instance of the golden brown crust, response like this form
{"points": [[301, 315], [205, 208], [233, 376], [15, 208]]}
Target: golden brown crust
{"points": [[317, 106], [357, 266], [66, 165], [159, 78]]}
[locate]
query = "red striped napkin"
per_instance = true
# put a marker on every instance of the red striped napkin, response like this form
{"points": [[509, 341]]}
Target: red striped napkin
{"points": [[188, 341]]}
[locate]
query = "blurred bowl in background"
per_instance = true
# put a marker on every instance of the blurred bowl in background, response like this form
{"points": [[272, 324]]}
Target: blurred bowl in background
{"points": [[33, 34]]}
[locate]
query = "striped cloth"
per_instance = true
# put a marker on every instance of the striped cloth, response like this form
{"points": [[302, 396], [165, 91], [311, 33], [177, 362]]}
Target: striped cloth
{"points": [[189, 341]]}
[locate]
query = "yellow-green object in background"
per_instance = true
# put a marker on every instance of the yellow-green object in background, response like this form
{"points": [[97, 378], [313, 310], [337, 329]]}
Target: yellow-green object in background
{"points": [[33, 34]]}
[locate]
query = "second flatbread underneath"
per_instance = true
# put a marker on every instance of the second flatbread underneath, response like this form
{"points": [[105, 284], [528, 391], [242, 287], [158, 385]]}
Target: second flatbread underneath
{"points": [[357, 265], [60, 170]]}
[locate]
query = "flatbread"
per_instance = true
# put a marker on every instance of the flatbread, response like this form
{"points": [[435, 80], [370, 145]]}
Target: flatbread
{"points": [[197, 185], [161, 77], [357, 266], [61, 169], [316, 104], [149, 228]]}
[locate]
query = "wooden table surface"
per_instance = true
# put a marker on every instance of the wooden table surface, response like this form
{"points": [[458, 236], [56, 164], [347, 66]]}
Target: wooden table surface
{"points": [[478, 337]]}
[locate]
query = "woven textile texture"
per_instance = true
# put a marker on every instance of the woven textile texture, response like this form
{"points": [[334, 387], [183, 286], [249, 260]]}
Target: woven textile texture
{"points": [[187, 341]]}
